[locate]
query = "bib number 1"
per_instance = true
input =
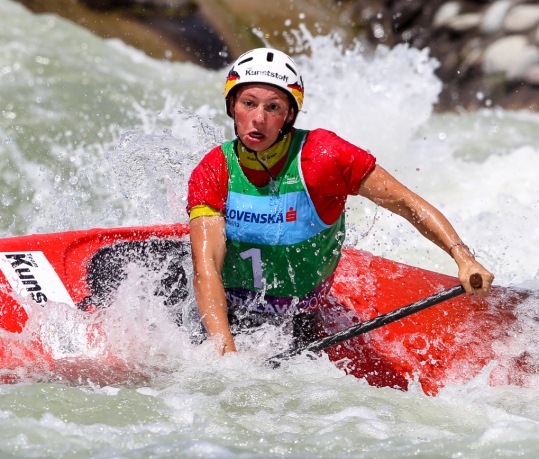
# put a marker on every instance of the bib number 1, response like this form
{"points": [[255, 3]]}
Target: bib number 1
{"points": [[256, 263]]}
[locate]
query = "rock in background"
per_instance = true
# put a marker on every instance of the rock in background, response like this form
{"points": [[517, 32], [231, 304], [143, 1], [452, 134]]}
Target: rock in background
{"points": [[488, 50]]}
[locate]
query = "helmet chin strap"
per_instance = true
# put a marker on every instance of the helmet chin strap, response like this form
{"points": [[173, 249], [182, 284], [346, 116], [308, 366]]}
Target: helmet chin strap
{"points": [[272, 177]]}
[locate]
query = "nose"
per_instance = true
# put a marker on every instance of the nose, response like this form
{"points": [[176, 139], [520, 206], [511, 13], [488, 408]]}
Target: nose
{"points": [[260, 115]]}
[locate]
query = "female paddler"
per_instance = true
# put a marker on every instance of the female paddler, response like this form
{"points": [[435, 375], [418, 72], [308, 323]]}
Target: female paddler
{"points": [[267, 208]]}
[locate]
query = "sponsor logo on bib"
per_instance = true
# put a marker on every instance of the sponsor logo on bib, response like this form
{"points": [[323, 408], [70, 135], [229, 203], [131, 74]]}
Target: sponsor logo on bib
{"points": [[255, 217]]}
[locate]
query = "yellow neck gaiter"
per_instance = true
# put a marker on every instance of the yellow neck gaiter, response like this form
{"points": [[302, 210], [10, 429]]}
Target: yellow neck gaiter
{"points": [[269, 157]]}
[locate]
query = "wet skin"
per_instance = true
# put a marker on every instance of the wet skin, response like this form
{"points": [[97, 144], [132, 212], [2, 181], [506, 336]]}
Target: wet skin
{"points": [[260, 111]]}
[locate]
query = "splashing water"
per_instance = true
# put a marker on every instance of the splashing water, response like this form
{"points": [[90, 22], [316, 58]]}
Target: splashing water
{"points": [[94, 133]]}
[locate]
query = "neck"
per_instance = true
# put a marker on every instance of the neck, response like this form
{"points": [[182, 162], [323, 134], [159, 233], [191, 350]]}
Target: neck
{"points": [[269, 157]]}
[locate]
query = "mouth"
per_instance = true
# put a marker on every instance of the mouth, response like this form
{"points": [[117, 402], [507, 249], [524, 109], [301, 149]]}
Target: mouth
{"points": [[256, 136]]}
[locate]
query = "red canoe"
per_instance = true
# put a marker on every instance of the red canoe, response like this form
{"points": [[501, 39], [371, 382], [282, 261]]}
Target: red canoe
{"points": [[447, 343]]}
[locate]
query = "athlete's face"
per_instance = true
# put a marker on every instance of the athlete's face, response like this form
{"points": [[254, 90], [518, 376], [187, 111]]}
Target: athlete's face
{"points": [[260, 110]]}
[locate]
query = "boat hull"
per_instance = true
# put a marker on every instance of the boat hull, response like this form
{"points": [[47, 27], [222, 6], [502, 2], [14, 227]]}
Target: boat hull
{"points": [[450, 342]]}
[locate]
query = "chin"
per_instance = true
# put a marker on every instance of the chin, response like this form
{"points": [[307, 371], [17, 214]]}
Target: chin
{"points": [[256, 146]]}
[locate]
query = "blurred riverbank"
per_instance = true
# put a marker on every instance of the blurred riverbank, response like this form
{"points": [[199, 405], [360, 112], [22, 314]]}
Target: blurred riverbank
{"points": [[488, 50], [211, 33]]}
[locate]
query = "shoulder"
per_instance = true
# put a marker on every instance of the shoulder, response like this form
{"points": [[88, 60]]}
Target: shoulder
{"points": [[323, 145], [211, 171], [329, 162], [330, 142], [214, 156], [322, 134], [208, 182], [213, 162]]}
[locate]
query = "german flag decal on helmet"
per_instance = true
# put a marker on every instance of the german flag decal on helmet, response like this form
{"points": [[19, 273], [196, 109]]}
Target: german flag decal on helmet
{"points": [[297, 91], [231, 80]]}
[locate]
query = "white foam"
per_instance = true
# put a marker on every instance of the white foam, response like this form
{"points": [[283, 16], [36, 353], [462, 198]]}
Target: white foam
{"points": [[477, 168]]}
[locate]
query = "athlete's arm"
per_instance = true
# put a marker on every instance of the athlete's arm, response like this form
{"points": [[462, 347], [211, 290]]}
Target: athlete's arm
{"points": [[383, 189], [208, 251]]}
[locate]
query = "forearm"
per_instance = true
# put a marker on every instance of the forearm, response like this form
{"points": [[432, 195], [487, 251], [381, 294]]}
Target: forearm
{"points": [[428, 220], [208, 251], [434, 226], [212, 305], [381, 188]]}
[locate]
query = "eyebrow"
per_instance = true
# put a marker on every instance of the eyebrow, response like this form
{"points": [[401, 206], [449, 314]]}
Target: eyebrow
{"points": [[246, 94]]}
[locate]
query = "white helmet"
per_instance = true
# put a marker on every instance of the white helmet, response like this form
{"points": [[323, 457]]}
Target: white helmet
{"points": [[269, 66]]}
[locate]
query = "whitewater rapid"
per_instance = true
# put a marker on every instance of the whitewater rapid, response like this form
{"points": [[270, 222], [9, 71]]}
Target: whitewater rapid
{"points": [[96, 134]]}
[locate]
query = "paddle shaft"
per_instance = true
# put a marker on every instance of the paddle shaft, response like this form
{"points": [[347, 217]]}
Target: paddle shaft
{"points": [[377, 322]]}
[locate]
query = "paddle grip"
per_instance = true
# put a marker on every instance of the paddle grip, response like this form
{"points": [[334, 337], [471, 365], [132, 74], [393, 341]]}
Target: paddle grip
{"points": [[476, 281]]}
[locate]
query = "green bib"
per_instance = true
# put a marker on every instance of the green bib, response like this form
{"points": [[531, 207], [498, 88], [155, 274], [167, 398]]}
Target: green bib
{"points": [[277, 245]]}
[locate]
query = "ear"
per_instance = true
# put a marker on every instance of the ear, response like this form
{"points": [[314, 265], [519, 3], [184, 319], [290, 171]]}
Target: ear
{"points": [[232, 106], [291, 114]]}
